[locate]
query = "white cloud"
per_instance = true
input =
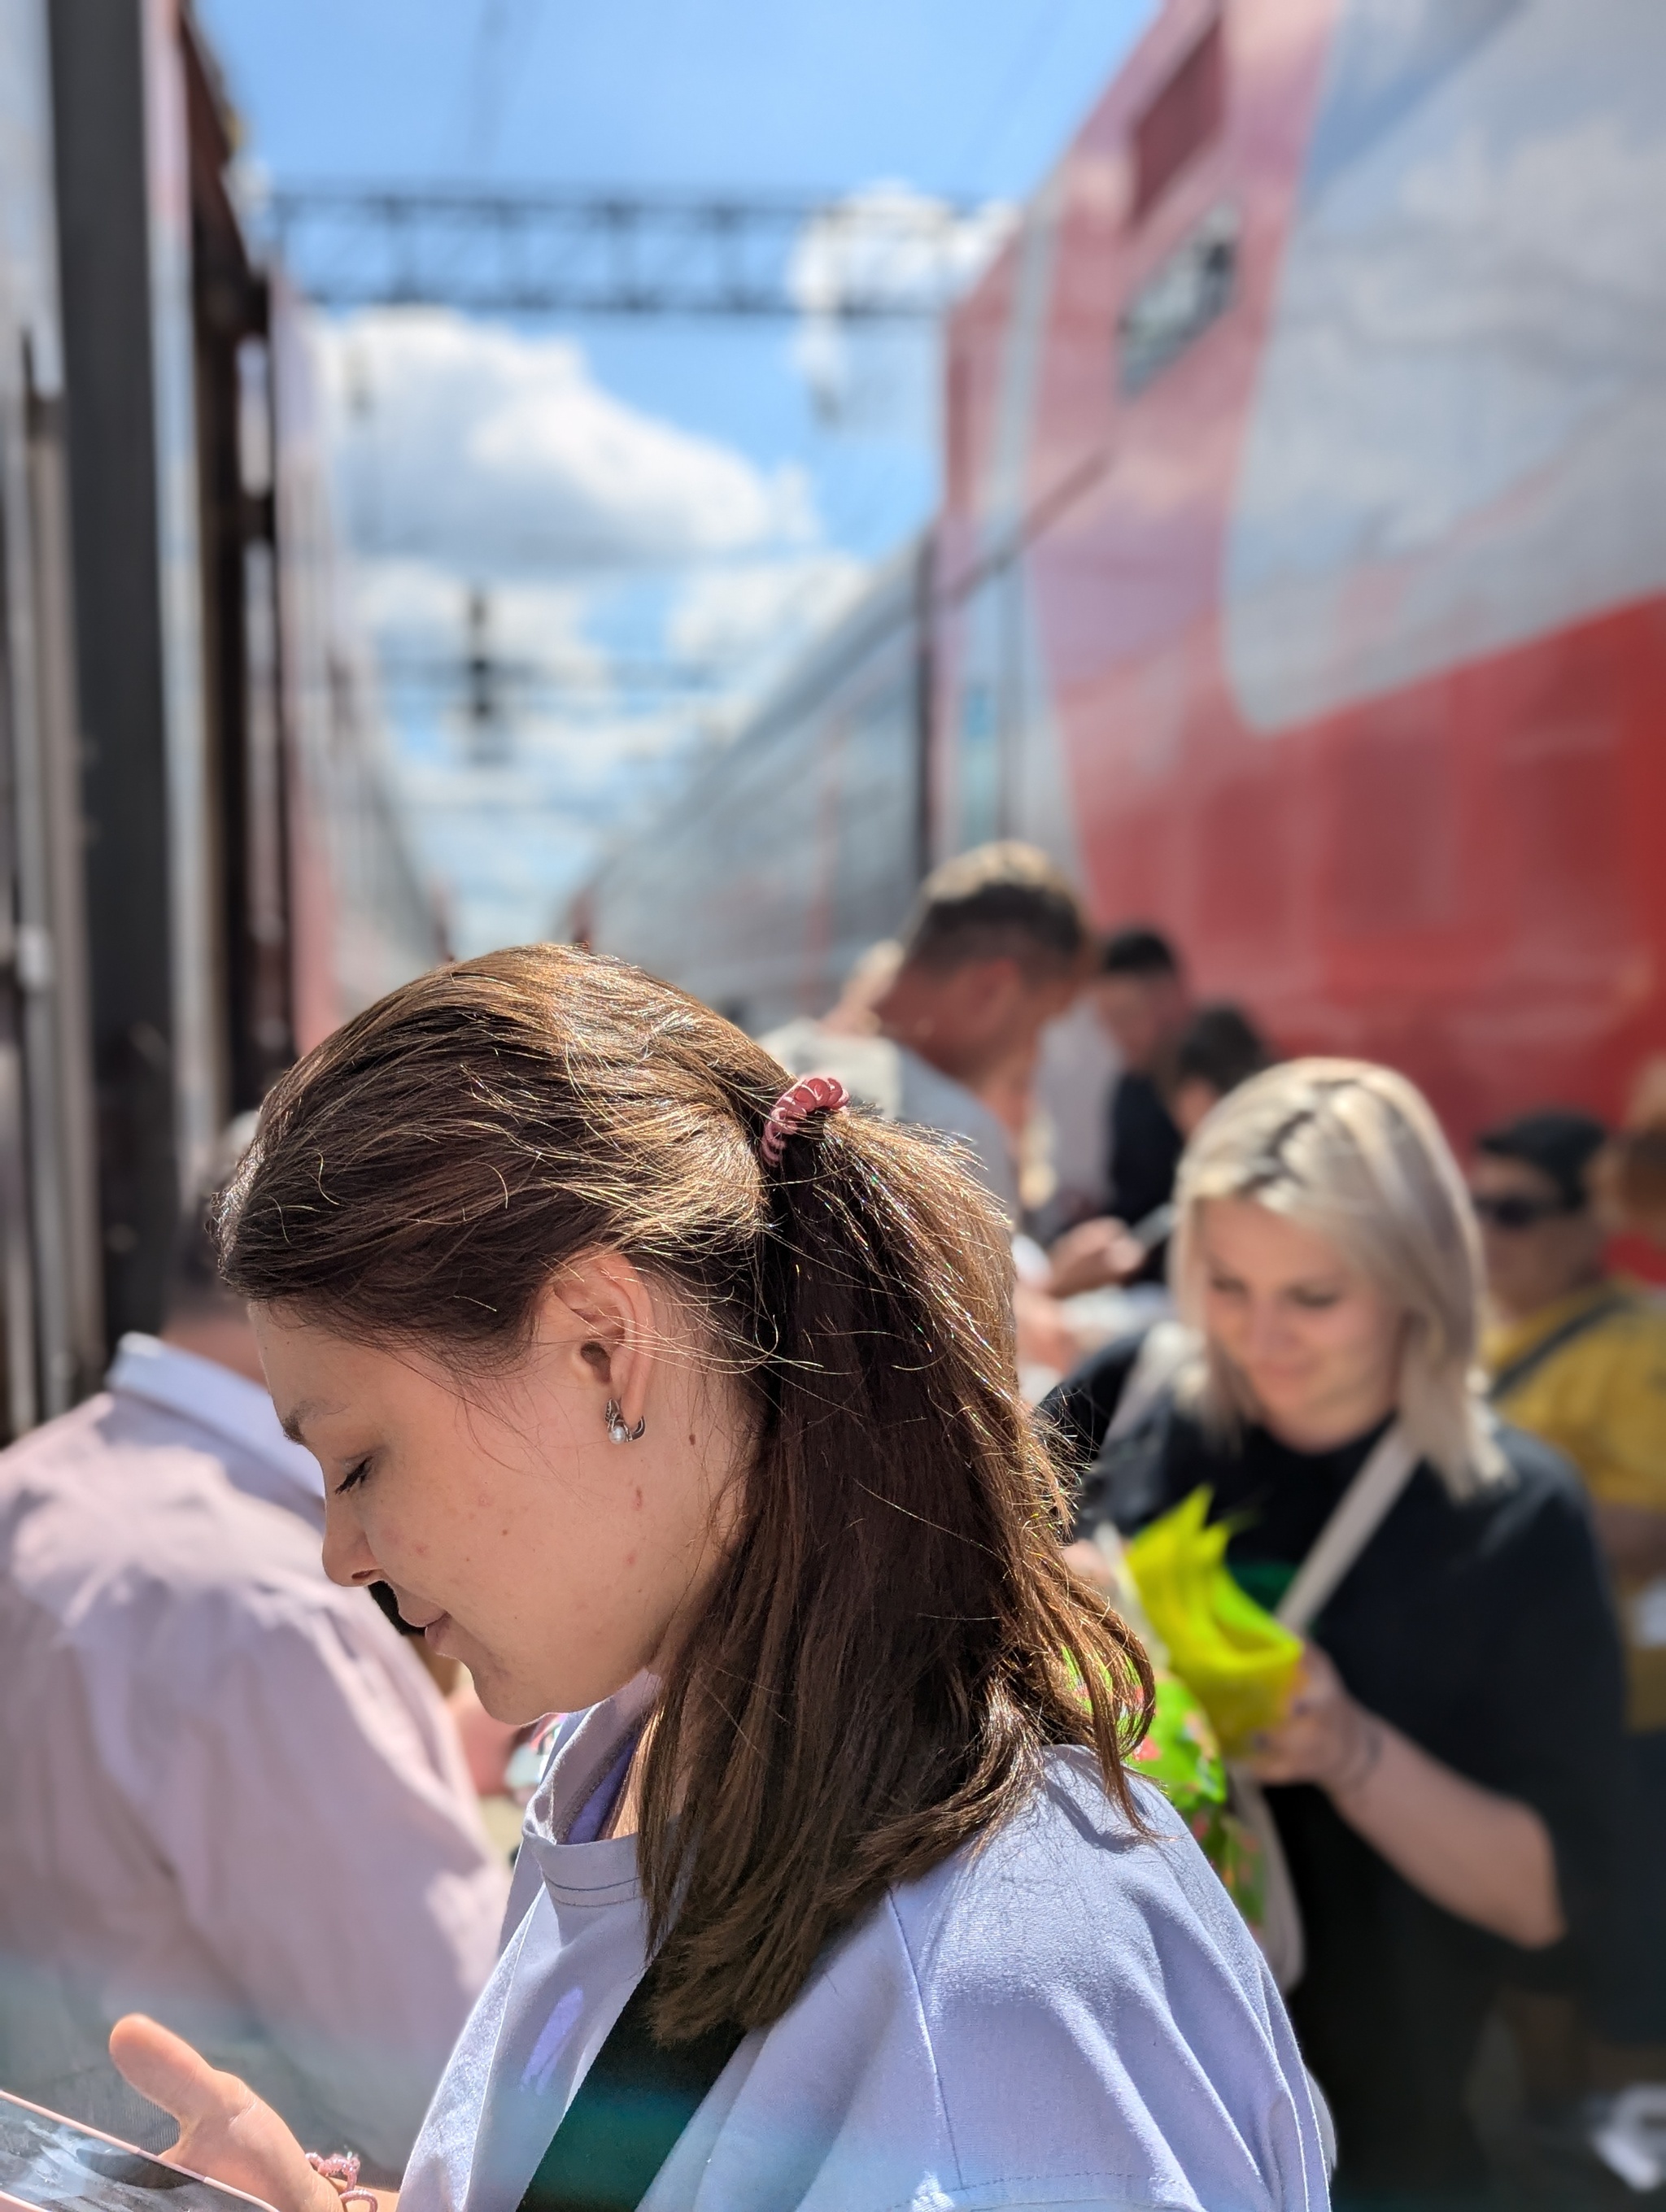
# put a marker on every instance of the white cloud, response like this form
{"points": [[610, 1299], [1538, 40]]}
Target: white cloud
{"points": [[473, 457], [757, 613], [890, 243], [511, 841], [405, 604], [495, 450]]}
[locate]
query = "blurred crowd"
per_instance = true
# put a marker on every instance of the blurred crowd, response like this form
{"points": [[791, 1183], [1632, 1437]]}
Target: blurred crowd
{"points": [[248, 1803], [947, 1027]]}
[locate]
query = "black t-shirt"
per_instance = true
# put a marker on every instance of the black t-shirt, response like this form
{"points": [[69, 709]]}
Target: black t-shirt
{"points": [[1145, 1149], [1484, 1631]]}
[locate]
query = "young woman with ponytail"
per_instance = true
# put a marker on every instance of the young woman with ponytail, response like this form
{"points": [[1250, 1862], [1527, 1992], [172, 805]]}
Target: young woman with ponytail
{"points": [[684, 1403]]}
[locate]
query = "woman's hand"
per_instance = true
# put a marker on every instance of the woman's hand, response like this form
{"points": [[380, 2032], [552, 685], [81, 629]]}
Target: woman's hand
{"points": [[1324, 1736], [1485, 1857], [225, 2131], [1093, 1254]]}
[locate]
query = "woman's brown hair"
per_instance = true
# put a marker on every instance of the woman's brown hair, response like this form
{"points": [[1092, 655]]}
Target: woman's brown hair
{"points": [[893, 1641]]}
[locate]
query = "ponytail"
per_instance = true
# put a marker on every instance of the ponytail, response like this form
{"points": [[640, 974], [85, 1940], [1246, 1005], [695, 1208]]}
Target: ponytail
{"points": [[893, 1642]]}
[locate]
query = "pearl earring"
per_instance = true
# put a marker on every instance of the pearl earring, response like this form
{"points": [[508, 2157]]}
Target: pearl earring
{"points": [[617, 1432]]}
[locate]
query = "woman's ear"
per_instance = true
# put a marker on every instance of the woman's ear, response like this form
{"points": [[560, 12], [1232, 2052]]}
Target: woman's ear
{"points": [[599, 1312]]}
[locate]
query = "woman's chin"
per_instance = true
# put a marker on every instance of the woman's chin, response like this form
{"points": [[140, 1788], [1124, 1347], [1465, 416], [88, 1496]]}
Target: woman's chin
{"points": [[507, 1700], [1284, 1399]]}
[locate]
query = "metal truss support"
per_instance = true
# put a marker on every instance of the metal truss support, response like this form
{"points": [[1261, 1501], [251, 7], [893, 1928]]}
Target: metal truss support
{"points": [[585, 253]]}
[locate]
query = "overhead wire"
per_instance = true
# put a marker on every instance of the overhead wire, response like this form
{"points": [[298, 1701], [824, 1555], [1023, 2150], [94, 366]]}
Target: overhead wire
{"points": [[1017, 82]]}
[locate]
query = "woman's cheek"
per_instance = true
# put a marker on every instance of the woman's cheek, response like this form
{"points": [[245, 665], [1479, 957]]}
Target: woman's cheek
{"points": [[1220, 1320]]}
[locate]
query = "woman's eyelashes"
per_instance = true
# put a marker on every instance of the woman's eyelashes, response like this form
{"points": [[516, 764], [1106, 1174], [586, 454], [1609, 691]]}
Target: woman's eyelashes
{"points": [[353, 1476], [1315, 1300]]}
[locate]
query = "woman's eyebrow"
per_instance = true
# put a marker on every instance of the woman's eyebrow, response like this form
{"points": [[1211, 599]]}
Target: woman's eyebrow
{"points": [[296, 1418]]}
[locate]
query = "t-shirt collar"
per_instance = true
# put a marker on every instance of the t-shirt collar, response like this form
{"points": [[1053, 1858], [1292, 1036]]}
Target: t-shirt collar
{"points": [[213, 1397]]}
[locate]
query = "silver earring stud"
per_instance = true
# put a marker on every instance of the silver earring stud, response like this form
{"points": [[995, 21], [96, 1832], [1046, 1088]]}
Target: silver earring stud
{"points": [[617, 1432]]}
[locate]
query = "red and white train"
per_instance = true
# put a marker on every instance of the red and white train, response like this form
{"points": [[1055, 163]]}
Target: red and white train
{"points": [[1300, 577]]}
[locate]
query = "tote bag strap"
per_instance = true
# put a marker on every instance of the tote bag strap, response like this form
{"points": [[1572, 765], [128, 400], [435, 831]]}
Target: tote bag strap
{"points": [[627, 2113], [1363, 1507], [1164, 1350]]}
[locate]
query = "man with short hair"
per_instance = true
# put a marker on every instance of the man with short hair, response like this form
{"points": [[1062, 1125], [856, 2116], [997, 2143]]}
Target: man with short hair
{"points": [[234, 1797], [993, 951], [1578, 1356]]}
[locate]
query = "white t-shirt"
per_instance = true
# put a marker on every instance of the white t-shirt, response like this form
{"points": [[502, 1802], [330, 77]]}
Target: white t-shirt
{"points": [[1072, 2014], [897, 1084]]}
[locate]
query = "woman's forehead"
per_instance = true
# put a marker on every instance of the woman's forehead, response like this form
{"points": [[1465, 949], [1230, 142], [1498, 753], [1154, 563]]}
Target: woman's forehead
{"points": [[1252, 1234]]}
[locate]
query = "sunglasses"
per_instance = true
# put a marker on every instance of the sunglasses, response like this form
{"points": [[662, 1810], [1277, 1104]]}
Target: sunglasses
{"points": [[1515, 1210]]}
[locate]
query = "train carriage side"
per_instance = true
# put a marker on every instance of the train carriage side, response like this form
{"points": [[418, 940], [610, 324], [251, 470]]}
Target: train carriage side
{"points": [[51, 1287], [796, 843], [1304, 557], [201, 860]]}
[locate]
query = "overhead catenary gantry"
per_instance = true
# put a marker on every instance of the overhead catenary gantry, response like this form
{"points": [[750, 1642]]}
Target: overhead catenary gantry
{"points": [[887, 255]]}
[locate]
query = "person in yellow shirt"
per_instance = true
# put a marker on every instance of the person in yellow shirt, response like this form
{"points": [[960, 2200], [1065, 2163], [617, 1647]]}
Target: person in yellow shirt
{"points": [[1578, 1356]]}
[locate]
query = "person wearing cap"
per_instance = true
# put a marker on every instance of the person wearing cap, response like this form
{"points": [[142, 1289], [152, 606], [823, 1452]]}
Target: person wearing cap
{"points": [[1577, 1355]]}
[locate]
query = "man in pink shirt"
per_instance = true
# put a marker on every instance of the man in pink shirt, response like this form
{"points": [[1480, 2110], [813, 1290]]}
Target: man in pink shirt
{"points": [[234, 1797]]}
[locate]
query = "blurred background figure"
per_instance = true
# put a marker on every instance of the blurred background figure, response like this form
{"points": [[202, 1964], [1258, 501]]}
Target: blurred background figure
{"points": [[1578, 1355], [853, 1014], [1630, 1176], [1139, 995], [993, 953], [1218, 1048], [234, 1798]]}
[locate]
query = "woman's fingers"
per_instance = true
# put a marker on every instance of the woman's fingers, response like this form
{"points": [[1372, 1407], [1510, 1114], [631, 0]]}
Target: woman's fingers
{"points": [[163, 2067], [225, 2131], [1318, 1679]]}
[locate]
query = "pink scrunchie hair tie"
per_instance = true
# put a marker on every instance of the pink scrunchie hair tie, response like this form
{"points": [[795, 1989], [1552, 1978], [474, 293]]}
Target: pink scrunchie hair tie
{"points": [[811, 1094]]}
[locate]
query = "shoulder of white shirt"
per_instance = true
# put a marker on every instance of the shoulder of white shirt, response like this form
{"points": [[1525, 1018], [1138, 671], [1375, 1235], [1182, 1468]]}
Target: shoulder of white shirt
{"points": [[209, 1396]]}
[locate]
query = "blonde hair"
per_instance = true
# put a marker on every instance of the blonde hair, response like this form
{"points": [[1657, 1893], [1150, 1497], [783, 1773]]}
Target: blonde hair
{"points": [[1354, 1153]]}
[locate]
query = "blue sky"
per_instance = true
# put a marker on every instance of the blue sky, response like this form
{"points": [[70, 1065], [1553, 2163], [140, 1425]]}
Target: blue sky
{"points": [[736, 515]]}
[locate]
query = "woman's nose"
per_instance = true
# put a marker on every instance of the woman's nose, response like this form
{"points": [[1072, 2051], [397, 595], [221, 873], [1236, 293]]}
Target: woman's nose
{"points": [[347, 1558], [1266, 1329]]}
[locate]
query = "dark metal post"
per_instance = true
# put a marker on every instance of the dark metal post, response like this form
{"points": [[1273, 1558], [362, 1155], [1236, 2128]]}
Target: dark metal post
{"points": [[98, 99]]}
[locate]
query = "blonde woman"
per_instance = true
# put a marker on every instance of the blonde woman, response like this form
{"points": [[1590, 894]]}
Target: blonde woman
{"points": [[1445, 1784]]}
